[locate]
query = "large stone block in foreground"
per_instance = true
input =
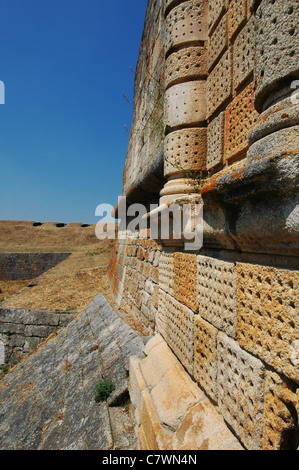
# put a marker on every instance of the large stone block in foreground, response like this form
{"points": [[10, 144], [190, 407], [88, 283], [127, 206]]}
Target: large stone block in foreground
{"points": [[172, 413]]}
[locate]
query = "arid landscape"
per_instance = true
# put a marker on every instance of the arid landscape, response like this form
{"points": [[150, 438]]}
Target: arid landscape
{"points": [[70, 285], [73, 283]]}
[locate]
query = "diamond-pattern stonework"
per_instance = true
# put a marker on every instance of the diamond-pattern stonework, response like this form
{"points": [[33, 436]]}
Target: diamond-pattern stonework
{"points": [[184, 285], [175, 322], [216, 293], [241, 382], [268, 320]]}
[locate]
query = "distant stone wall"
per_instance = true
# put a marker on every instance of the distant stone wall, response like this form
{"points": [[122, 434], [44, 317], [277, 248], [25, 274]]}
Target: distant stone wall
{"points": [[143, 171], [22, 331], [18, 266], [229, 311]]}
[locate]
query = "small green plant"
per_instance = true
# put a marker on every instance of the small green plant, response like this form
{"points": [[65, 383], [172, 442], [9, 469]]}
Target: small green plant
{"points": [[196, 178], [5, 369], [153, 123], [93, 253], [70, 308], [103, 389]]}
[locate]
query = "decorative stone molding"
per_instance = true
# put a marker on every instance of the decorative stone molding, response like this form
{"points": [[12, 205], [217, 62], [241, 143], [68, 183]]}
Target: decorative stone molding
{"points": [[234, 205], [185, 147], [277, 48]]}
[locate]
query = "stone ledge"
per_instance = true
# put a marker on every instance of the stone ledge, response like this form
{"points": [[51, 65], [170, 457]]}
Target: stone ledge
{"points": [[171, 412]]}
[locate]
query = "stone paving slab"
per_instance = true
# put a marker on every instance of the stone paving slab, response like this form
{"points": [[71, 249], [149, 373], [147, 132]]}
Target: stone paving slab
{"points": [[46, 401]]}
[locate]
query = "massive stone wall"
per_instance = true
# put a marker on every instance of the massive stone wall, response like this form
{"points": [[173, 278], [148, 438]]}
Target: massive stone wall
{"points": [[18, 266], [22, 331], [229, 311], [142, 171]]}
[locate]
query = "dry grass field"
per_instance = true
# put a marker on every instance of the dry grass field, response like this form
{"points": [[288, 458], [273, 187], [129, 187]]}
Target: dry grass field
{"points": [[70, 285]]}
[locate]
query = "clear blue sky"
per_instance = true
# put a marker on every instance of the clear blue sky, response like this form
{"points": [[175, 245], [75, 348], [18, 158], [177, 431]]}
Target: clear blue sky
{"points": [[65, 65]]}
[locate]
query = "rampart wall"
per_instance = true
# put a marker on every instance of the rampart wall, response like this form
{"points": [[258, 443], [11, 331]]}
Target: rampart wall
{"points": [[22, 331], [229, 311], [23, 266]]}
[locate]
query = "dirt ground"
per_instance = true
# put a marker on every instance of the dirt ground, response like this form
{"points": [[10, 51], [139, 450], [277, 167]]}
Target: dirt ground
{"points": [[72, 284], [9, 288]]}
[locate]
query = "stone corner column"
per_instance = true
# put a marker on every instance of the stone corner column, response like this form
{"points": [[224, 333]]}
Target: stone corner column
{"points": [[185, 146]]}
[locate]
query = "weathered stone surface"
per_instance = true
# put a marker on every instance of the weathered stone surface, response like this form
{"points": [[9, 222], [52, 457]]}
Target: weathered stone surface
{"points": [[187, 63], [216, 9], [144, 158], [267, 323], [185, 23], [184, 285], [175, 189], [153, 369], [173, 396], [277, 47], [281, 409], [203, 429], [175, 414], [240, 117], [185, 104], [236, 16], [216, 293], [241, 382], [15, 266], [47, 401], [250, 215], [185, 150], [122, 429], [219, 84], [136, 383], [217, 42], [215, 141], [247, 225], [243, 53], [23, 330], [205, 356], [284, 142], [150, 424], [175, 323], [282, 115]]}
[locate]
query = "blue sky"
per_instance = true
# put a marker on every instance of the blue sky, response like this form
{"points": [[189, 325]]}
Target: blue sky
{"points": [[65, 65]]}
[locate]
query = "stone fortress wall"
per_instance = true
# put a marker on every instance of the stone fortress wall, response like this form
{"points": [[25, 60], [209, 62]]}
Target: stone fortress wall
{"points": [[23, 266], [226, 72]]}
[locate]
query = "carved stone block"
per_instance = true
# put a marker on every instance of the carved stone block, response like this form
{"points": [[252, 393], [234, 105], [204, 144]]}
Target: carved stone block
{"points": [[175, 322], [217, 43], [239, 119], [185, 104], [280, 423], [205, 356], [267, 322], [216, 9], [190, 62], [185, 149], [166, 271], [243, 53], [184, 285], [241, 382], [186, 23], [277, 46], [237, 11], [215, 141], [219, 84], [216, 291]]}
